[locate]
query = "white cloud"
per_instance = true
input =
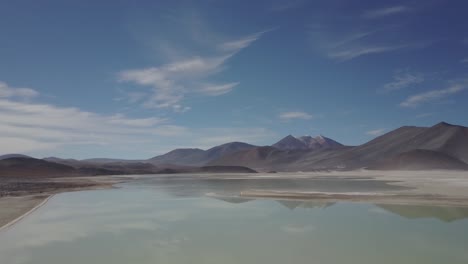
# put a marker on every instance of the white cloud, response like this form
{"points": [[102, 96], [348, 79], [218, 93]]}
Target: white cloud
{"points": [[16, 144], [215, 90], [376, 132], [239, 44], [384, 12], [283, 5], [423, 115], [465, 60], [27, 127], [342, 43], [172, 82], [295, 115], [8, 92], [350, 38], [31, 128], [120, 119], [298, 229], [352, 53], [434, 95], [403, 79]]}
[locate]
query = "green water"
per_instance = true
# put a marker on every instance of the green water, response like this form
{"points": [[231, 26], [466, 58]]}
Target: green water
{"points": [[154, 223]]}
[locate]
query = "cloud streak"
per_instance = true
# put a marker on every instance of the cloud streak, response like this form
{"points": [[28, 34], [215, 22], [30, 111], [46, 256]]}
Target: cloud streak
{"points": [[295, 115], [337, 43], [401, 80], [430, 96], [30, 128], [384, 12], [215, 90], [7, 91], [27, 126], [376, 132], [355, 52], [172, 82]]}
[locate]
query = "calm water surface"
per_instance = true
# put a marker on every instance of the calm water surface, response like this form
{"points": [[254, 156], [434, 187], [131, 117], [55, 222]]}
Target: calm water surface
{"points": [[165, 221]]}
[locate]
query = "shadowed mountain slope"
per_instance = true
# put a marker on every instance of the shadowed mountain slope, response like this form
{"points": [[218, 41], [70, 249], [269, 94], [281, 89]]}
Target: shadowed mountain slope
{"points": [[7, 156], [443, 145], [198, 157], [306, 143], [30, 167], [421, 159]]}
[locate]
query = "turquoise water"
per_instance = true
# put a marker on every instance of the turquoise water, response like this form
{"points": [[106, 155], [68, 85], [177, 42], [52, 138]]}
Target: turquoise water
{"points": [[150, 223]]}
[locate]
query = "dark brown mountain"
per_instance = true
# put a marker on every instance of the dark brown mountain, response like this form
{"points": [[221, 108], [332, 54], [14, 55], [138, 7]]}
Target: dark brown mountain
{"points": [[442, 146], [30, 167], [421, 159], [289, 143], [198, 157], [306, 143], [187, 157], [261, 158], [445, 146], [7, 156]]}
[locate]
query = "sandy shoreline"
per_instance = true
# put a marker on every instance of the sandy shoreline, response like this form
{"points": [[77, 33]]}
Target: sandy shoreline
{"points": [[4, 226], [26, 195]]}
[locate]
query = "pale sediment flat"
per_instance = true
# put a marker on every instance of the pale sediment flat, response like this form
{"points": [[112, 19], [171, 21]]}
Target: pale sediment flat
{"points": [[28, 195], [13, 209], [421, 188]]}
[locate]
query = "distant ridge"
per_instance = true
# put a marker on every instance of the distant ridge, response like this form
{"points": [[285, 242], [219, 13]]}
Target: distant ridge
{"points": [[306, 143], [442, 146], [7, 156], [198, 157]]}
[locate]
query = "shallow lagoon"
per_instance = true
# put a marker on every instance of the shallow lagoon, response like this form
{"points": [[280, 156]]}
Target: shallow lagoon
{"points": [[166, 221]]}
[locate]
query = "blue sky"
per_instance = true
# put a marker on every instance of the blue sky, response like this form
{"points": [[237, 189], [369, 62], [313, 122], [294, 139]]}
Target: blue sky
{"points": [[132, 80]]}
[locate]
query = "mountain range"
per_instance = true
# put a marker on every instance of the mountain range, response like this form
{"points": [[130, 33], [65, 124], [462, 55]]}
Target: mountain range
{"points": [[442, 146], [306, 143]]}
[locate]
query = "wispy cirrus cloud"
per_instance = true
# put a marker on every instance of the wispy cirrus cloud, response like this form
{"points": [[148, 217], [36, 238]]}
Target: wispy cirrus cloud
{"points": [[424, 115], [352, 37], [298, 229], [403, 79], [465, 60], [215, 90], [295, 115], [433, 95], [343, 44], [386, 11], [170, 83], [282, 5], [352, 53], [376, 132], [241, 43]]}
